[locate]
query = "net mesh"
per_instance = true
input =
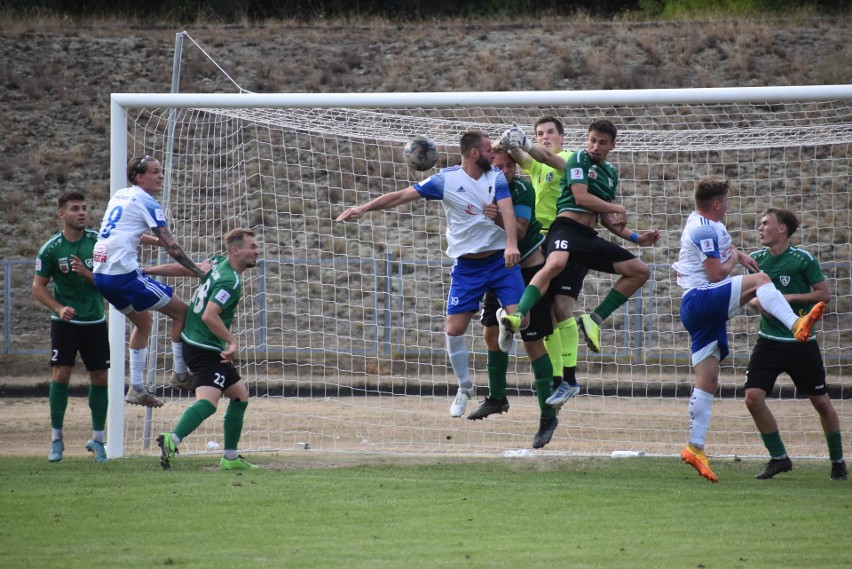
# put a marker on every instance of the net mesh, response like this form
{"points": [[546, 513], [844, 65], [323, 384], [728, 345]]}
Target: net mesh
{"points": [[341, 327]]}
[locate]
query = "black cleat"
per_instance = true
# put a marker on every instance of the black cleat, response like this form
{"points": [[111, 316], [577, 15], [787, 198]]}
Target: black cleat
{"points": [[774, 466], [838, 470], [489, 407], [546, 426]]}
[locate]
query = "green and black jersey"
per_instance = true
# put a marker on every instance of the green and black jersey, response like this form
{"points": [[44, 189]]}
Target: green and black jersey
{"points": [[222, 286], [70, 289], [794, 271], [601, 179]]}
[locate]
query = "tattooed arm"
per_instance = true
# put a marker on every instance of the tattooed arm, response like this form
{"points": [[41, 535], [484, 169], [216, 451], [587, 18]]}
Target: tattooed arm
{"points": [[176, 251]]}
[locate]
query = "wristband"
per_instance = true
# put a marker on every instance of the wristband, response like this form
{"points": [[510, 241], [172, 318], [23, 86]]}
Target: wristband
{"points": [[634, 237]]}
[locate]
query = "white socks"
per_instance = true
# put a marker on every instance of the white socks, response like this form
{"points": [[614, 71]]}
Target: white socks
{"points": [[775, 304], [457, 352], [699, 416], [138, 359], [179, 366]]}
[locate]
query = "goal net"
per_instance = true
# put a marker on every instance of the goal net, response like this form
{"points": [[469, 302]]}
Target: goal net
{"points": [[341, 326]]}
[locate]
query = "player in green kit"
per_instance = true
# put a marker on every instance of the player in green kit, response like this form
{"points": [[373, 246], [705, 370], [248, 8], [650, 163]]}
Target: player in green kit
{"points": [[797, 274], [545, 164], [530, 240], [77, 322], [210, 348], [588, 193]]}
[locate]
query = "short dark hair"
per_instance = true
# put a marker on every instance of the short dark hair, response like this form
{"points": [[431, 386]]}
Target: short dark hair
{"points": [[72, 196], [603, 125], [550, 118], [471, 139], [710, 189], [137, 166], [785, 217], [235, 237]]}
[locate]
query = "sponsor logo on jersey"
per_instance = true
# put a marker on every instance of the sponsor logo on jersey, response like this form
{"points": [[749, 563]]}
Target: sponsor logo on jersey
{"points": [[785, 280], [460, 190], [100, 253], [576, 173], [469, 209], [222, 296]]}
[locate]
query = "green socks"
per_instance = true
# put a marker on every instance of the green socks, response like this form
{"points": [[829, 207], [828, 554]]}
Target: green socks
{"points": [[234, 423], [543, 373], [58, 399], [98, 404], [773, 443], [497, 364], [193, 417], [532, 294], [835, 448], [610, 304]]}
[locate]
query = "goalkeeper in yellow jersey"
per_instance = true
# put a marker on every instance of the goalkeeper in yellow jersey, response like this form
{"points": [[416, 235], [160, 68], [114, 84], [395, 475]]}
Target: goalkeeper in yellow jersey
{"points": [[546, 177], [797, 275], [210, 348]]}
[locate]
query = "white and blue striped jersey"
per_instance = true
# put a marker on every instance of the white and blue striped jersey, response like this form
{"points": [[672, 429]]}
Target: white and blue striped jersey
{"points": [[130, 213], [701, 238], [468, 229]]}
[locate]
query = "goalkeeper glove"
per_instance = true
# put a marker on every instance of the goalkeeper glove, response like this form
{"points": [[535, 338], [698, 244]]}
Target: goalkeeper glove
{"points": [[518, 139], [506, 141]]}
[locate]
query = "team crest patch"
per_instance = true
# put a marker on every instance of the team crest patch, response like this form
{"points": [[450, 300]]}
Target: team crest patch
{"points": [[593, 175], [64, 266], [785, 280], [549, 177]]}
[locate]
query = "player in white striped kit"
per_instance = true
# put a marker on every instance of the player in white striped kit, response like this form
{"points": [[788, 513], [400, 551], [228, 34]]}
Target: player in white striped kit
{"points": [[486, 256], [712, 297], [130, 213]]}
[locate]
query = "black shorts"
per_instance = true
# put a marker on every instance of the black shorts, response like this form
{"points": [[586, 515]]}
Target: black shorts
{"points": [[207, 368], [541, 324], [801, 360], [570, 281], [91, 340], [585, 246]]}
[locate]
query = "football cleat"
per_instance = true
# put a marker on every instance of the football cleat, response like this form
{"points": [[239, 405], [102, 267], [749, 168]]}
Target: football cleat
{"points": [[775, 466], [803, 326], [698, 460], [489, 407]]}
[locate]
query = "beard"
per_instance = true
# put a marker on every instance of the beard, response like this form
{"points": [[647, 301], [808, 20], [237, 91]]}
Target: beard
{"points": [[483, 163]]}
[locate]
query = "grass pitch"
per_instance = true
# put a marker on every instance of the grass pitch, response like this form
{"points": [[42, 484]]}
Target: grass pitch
{"points": [[322, 510]]}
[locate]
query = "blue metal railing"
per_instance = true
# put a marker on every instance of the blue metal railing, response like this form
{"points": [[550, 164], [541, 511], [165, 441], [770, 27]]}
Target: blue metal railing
{"points": [[638, 333]]}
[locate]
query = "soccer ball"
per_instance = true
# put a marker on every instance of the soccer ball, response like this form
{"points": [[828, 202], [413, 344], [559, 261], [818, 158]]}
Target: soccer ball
{"points": [[420, 153]]}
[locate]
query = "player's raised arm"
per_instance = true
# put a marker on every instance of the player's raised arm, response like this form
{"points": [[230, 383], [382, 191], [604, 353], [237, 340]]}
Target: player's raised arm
{"points": [[386, 201]]}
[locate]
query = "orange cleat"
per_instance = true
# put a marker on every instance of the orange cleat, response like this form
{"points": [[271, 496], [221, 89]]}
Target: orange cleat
{"points": [[802, 327], [698, 460]]}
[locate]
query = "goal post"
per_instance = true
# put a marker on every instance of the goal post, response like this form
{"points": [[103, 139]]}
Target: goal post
{"points": [[341, 325]]}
